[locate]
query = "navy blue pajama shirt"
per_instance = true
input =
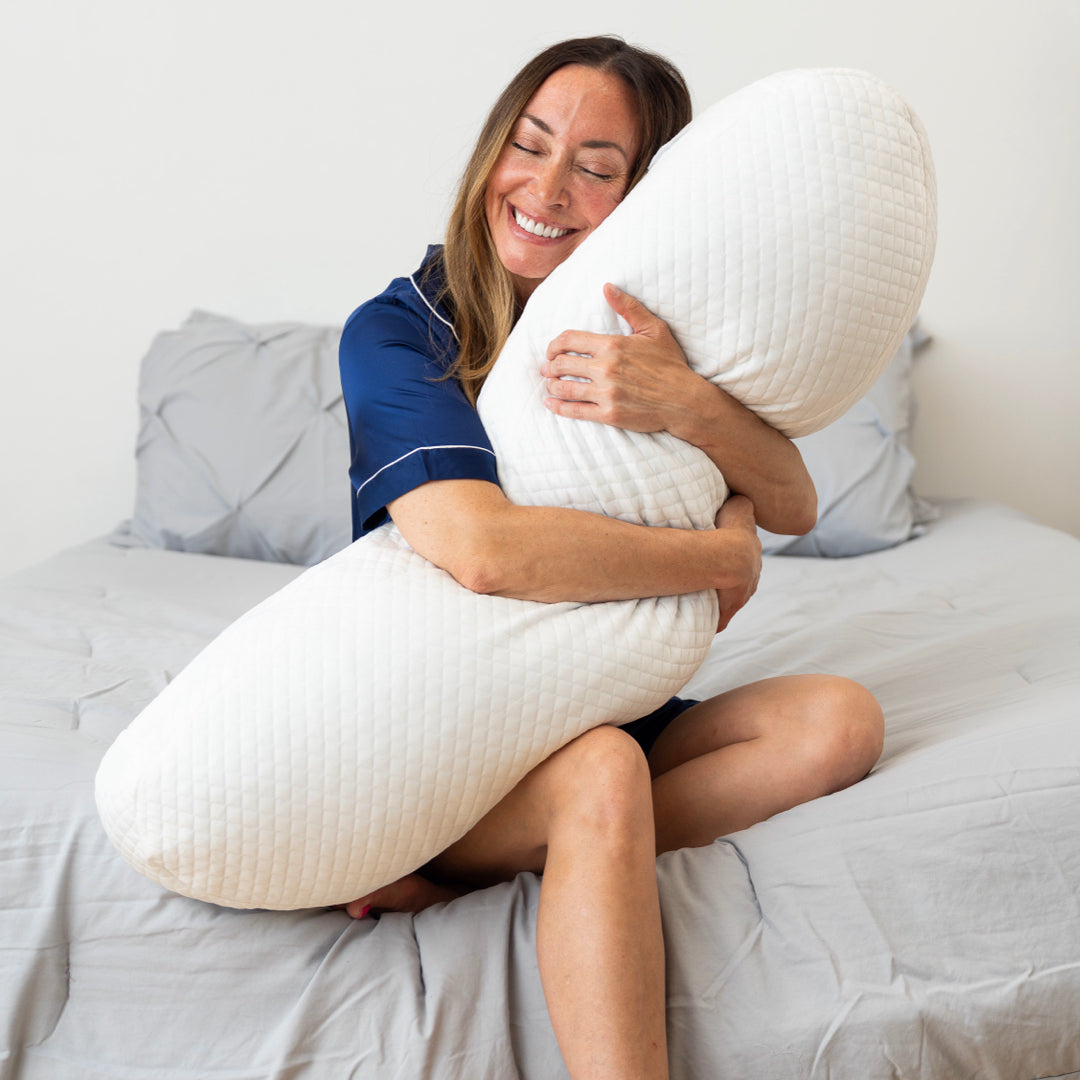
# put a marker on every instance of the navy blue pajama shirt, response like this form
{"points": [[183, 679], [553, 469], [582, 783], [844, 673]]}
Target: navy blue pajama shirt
{"points": [[408, 424]]}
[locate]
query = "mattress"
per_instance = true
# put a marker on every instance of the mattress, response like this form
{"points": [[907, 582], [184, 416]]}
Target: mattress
{"points": [[923, 924]]}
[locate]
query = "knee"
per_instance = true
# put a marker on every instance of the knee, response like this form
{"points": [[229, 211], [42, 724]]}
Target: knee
{"points": [[849, 731], [605, 784]]}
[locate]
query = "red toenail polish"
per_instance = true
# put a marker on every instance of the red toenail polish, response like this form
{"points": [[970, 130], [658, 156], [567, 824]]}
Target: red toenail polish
{"points": [[364, 910]]}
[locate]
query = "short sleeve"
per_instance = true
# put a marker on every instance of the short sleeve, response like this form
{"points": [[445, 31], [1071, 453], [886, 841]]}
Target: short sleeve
{"points": [[407, 424]]}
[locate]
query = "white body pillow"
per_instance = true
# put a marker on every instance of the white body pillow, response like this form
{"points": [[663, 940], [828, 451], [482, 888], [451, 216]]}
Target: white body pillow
{"points": [[356, 723]]}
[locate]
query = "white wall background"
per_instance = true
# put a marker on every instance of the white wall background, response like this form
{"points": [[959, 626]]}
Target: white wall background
{"points": [[276, 160]]}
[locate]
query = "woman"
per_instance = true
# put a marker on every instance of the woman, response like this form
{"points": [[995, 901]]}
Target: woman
{"points": [[567, 139]]}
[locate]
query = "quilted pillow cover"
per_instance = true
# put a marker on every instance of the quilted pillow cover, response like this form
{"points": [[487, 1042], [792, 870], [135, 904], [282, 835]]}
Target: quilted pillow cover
{"points": [[354, 724]]}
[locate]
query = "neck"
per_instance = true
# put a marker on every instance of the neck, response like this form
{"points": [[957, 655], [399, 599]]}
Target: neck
{"points": [[524, 288]]}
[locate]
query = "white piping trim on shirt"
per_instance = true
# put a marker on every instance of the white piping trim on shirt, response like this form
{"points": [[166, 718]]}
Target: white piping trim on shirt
{"points": [[416, 450], [432, 309]]}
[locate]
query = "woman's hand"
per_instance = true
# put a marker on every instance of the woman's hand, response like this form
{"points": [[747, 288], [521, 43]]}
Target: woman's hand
{"points": [[641, 382], [636, 381], [738, 514]]}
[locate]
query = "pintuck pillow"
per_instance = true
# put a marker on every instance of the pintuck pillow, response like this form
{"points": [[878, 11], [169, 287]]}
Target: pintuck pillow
{"points": [[861, 466], [243, 442]]}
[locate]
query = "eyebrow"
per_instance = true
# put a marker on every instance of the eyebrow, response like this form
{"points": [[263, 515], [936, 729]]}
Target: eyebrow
{"points": [[591, 144]]}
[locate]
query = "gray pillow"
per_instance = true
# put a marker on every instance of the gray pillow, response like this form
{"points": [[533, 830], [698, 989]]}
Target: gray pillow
{"points": [[243, 445], [243, 450], [861, 465]]}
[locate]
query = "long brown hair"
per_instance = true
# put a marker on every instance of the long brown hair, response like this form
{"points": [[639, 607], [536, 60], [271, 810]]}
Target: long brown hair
{"points": [[478, 290]]}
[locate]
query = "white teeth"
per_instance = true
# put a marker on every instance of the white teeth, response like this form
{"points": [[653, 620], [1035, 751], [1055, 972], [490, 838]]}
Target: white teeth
{"points": [[536, 228]]}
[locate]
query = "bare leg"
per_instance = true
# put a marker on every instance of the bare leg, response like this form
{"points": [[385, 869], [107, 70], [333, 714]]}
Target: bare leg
{"points": [[743, 756], [584, 819]]}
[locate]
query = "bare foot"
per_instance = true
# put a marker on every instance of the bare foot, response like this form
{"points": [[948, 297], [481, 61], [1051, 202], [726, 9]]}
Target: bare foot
{"points": [[410, 893]]}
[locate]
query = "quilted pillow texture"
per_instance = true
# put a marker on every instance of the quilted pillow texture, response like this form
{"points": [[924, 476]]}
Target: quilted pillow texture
{"points": [[356, 723], [242, 436]]}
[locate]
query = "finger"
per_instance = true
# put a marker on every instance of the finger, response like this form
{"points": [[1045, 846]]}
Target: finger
{"points": [[571, 390], [725, 612], [731, 603], [639, 317], [581, 342], [737, 511], [573, 410], [580, 367]]}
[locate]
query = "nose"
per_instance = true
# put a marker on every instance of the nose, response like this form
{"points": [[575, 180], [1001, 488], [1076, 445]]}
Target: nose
{"points": [[549, 182]]}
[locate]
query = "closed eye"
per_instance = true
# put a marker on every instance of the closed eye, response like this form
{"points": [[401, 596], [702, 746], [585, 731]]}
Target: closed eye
{"points": [[533, 152]]}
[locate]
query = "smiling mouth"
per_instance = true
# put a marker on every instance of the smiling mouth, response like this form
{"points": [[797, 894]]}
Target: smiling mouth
{"points": [[537, 228]]}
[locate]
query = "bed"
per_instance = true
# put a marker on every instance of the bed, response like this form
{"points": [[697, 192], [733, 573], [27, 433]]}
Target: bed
{"points": [[924, 923]]}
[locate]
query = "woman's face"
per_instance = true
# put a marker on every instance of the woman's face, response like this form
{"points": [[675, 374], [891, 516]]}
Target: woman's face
{"points": [[563, 170]]}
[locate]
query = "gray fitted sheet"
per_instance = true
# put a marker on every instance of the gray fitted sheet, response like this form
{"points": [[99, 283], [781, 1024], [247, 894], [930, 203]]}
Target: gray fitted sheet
{"points": [[924, 923]]}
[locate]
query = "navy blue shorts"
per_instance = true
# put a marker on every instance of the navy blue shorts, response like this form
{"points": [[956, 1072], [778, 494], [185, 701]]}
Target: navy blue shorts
{"points": [[647, 729]]}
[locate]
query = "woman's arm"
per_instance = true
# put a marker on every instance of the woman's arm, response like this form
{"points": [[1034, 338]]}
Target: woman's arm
{"points": [[642, 382], [490, 545], [420, 453]]}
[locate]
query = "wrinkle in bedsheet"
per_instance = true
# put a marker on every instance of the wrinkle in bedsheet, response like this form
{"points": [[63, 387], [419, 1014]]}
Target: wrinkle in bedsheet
{"points": [[861, 949], [835, 1026], [299, 1037], [889, 931], [35, 961]]}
